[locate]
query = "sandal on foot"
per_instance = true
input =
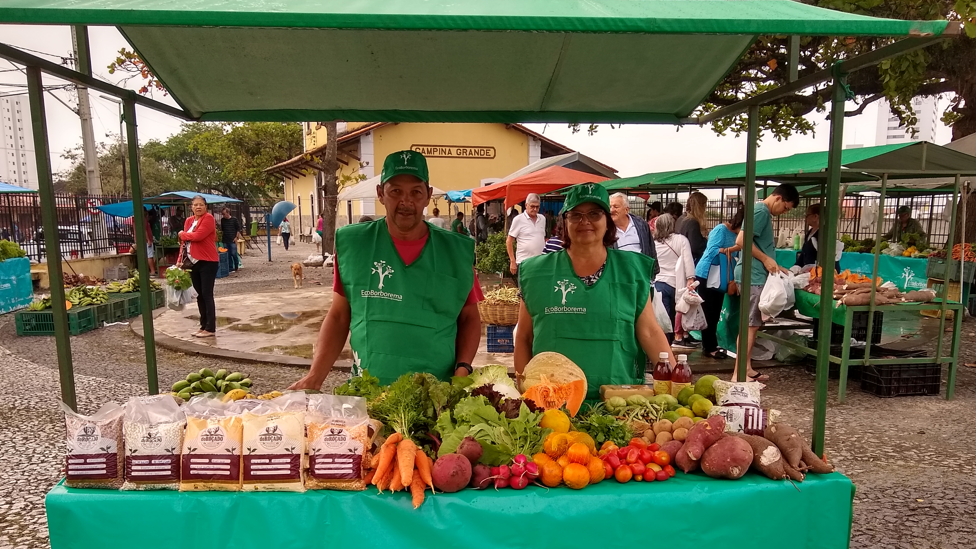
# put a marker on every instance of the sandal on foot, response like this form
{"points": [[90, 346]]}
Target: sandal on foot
{"points": [[718, 354], [758, 376]]}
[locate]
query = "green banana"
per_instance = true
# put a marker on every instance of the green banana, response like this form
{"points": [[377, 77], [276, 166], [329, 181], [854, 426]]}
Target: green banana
{"points": [[192, 377], [236, 376], [207, 386], [206, 372], [246, 383], [233, 385], [180, 385], [221, 374], [185, 394]]}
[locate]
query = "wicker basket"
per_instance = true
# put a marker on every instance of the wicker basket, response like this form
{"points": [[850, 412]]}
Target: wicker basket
{"points": [[499, 315]]}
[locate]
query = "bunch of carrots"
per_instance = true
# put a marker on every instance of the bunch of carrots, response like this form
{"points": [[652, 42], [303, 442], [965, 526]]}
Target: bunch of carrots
{"points": [[401, 465]]}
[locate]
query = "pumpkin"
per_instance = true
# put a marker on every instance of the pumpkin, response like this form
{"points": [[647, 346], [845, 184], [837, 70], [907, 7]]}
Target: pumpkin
{"points": [[597, 470], [552, 474], [578, 453], [552, 380], [556, 444], [576, 476]]}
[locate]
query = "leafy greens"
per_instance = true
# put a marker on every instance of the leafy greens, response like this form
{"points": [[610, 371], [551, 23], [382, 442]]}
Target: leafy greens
{"points": [[500, 437]]}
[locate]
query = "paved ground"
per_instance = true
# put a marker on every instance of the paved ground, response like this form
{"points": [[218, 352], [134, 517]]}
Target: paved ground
{"points": [[908, 456]]}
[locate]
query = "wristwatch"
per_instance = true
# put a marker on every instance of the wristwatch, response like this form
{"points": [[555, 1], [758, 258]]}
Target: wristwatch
{"points": [[464, 365]]}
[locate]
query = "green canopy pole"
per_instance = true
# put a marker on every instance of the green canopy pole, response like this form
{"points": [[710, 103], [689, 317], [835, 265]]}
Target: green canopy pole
{"points": [[948, 266], [52, 240], [828, 246], [138, 228], [874, 276], [742, 347]]}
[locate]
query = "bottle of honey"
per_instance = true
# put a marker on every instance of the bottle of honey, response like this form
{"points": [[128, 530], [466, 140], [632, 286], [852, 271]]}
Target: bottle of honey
{"points": [[680, 375], [662, 375]]}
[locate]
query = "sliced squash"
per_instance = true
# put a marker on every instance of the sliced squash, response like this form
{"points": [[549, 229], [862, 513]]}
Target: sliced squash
{"points": [[551, 396]]}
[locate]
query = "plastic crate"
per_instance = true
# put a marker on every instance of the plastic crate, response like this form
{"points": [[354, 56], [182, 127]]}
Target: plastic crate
{"points": [[133, 305], [223, 264], [859, 329], [116, 310], [891, 380], [501, 339], [159, 299], [33, 323], [103, 313], [937, 265]]}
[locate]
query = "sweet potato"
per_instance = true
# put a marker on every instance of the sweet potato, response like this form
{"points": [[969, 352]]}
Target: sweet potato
{"points": [[730, 457], [683, 458], [793, 472], [451, 472], [788, 440], [766, 457], [703, 434], [672, 448], [814, 464], [921, 296]]}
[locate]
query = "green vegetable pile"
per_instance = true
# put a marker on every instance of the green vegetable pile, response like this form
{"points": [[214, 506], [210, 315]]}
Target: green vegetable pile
{"points": [[501, 438], [178, 278], [10, 250], [492, 255], [600, 424], [636, 408]]}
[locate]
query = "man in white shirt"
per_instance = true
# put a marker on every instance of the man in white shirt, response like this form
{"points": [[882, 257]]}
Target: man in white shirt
{"points": [[527, 235], [438, 221], [633, 233]]}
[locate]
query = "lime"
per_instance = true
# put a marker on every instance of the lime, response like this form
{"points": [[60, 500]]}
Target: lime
{"points": [[704, 388], [685, 412], [695, 398], [701, 407], [697, 419], [671, 416], [685, 394]]}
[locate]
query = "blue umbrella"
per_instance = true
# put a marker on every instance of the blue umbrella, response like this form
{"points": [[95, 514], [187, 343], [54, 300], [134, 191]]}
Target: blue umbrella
{"points": [[279, 211]]}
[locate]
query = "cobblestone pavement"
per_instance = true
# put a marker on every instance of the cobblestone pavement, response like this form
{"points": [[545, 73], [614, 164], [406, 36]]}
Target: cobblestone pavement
{"points": [[914, 473]]}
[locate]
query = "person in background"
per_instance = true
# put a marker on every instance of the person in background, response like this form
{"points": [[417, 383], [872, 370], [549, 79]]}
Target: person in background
{"points": [[674, 254], [555, 242], [230, 231], [691, 225], [713, 279], [481, 225], [904, 224], [365, 219], [526, 235], [633, 233], [654, 209], [284, 230], [457, 226], [783, 199], [5, 233], [150, 249], [674, 209], [405, 295], [437, 220], [200, 234], [808, 253]]}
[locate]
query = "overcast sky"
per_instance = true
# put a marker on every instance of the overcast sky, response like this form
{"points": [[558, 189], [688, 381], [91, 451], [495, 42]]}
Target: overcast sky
{"points": [[632, 149]]}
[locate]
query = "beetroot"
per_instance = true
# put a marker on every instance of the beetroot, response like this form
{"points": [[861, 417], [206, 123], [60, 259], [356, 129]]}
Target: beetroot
{"points": [[729, 457], [451, 472], [481, 477], [471, 449]]}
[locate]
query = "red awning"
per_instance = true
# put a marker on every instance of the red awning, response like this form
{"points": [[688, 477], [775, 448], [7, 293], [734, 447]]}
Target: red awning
{"points": [[515, 190]]}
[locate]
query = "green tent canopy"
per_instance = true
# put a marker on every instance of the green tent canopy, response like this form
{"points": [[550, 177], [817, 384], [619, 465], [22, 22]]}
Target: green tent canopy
{"points": [[642, 181], [449, 61]]}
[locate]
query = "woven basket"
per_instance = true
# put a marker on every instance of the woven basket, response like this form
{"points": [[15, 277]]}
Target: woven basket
{"points": [[499, 315]]}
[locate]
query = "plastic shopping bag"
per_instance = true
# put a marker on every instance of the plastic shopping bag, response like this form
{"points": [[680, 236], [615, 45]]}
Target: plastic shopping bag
{"points": [[694, 320], [661, 314], [316, 238], [177, 299], [777, 296], [279, 241]]}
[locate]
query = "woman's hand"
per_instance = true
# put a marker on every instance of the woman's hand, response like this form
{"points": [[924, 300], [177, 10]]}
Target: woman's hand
{"points": [[180, 235]]}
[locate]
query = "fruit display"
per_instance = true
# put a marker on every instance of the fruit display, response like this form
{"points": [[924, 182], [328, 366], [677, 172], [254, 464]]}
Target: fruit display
{"points": [[959, 251], [855, 289], [130, 285], [234, 385], [72, 280], [84, 296]]}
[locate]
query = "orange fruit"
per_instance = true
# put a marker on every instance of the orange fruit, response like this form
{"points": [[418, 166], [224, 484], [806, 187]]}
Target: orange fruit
{"points": [[556, 444], [563, 460], [551, 474], [597, 470], [581, 437], [576, 476], [578, 453], [541, 459]]}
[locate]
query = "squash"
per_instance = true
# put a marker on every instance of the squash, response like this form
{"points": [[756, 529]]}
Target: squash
{"points": [[67, 305], [578, 453], [596, 469], [549, 396], [552, 474], [576, 476], [552, 380]]}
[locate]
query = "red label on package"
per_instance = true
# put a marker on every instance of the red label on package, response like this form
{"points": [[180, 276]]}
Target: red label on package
{"points": [[163, 467], [211, 467], [92, 466]]}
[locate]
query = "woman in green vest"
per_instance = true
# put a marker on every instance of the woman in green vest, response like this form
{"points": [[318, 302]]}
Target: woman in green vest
{"points": [[589, 302]]}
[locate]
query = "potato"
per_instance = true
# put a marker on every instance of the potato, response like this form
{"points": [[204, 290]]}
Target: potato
{"points": [[766, 457], [682, 423], [680, 434], [788, 440], [650, 435], [451, 472], [663, 438], [662, 426], [813, 462], [730, 457]]}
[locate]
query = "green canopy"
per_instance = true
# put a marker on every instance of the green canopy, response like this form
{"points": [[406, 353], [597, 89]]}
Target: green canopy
{"points": [[445, 60], [641, 181]]}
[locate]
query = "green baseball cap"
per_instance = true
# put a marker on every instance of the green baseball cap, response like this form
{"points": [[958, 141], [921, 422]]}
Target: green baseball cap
{"points": [[405, 163], [586, 192]]}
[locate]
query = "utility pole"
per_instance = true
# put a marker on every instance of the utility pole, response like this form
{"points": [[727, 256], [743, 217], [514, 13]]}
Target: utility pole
{"points": [[121, 142], [79, 38]]}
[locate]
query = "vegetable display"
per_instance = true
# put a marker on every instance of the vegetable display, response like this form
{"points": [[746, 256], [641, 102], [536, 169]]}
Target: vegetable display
{"points": [[10, 249]]}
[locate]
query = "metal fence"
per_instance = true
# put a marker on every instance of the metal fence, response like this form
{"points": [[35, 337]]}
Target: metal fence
{"points": [[83, 230]]}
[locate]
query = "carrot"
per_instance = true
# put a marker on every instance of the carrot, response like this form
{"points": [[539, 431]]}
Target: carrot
{"points": [[386, 460], [406, 457], [382, 483], [423, 469], [374, 462], [396, 483], [369, 476], [393, 439], [417, 491]]}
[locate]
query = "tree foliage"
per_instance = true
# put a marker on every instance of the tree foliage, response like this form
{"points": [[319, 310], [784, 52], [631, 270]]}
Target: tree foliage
{"points": [[156, 178]]}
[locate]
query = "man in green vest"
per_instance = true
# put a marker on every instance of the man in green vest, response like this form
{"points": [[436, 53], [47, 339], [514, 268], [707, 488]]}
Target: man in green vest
{"points": [[404, 291]]}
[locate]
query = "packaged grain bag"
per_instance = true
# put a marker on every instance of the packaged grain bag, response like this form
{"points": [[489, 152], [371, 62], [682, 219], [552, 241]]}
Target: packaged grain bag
{"points": [[751, 420], [211, 457], [274, 444], [95, 446], [337, 430], [153, 430], [728, 393]]}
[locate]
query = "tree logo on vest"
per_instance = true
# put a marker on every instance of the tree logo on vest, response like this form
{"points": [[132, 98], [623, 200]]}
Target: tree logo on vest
{"points": [[566, 288], [384, 271]]}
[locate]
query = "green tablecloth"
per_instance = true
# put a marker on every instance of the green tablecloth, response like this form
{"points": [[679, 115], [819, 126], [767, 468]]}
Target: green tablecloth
{"points": [[694, 510], [785, 258], [808, 304], [908, 273]]}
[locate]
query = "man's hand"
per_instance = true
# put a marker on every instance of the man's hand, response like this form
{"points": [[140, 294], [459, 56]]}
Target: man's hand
{"points": [[772, 266], [306, 382], [513, 267]]}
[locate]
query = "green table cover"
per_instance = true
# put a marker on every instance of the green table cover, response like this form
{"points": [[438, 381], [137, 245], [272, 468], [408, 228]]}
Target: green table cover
{"points": [[785, 258], [808, 304], [689, 510], [908, 273]]}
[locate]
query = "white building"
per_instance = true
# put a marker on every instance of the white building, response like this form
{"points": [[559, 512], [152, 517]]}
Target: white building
{"points": [[17, 165], [890, 130]]}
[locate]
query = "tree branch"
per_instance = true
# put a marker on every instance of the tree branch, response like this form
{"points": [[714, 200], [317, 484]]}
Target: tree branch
{"points": [[867, 101]]}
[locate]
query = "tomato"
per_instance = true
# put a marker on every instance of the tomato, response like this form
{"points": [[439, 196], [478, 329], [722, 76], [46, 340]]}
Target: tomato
{"points": [[607, 470], [623, 474], [622, 453], [633, 456], [607, 445], [654, 447], [614, 461], [655, 467], [638, 478], [649, 475], [638, 468], [646, 455], [661, 458], [638, 442], [669, 470], [662, 475]]}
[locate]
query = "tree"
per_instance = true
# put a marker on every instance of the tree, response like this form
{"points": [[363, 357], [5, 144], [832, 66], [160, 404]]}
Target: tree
{"points": [[156, 177]]}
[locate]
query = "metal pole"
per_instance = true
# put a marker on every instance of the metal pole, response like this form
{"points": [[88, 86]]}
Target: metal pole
{"points": [[874, 276], [742, 347], [948, 266], [828, 245], [122, 148], [142, 259], [794, 52], [52, 240], [267, 229]]}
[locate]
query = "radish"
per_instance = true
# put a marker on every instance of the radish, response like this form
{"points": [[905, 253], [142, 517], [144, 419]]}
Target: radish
{"points": [[520, 459], [494, 471], [519, 482], [518, 470], [501, 482], [504, 471], [532, 470]]}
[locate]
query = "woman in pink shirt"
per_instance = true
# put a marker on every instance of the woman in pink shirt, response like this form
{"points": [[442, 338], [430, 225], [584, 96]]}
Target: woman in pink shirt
{"points": [[200, 234]]}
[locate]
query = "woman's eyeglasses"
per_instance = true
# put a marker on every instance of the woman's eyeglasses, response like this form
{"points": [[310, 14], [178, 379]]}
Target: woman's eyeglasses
{"points": [[592, 215]]}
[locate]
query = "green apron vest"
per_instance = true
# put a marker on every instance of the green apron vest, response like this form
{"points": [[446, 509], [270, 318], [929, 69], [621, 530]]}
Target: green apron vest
{"points": [[593, 326], [404, 318]]}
